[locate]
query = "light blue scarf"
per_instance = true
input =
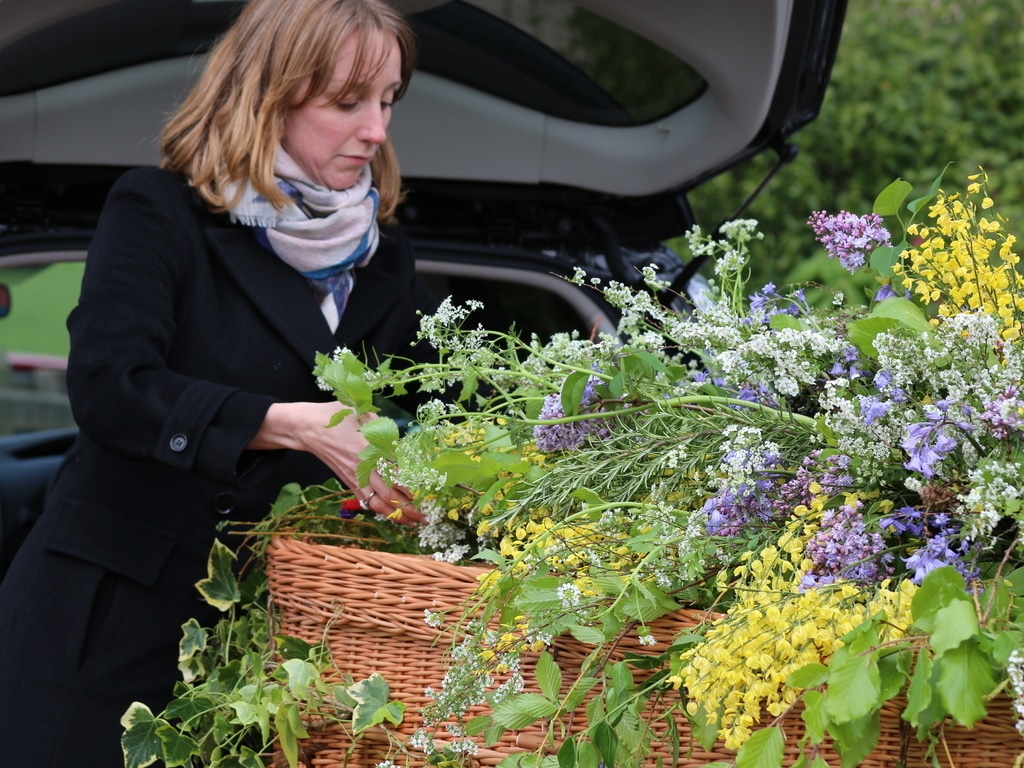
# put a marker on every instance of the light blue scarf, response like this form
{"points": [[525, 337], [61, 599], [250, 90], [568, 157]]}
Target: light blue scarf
{"points": [[324, 234]]}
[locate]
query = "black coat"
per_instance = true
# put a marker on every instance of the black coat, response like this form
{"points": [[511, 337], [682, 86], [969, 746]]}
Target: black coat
{"points": [[186, 331]]}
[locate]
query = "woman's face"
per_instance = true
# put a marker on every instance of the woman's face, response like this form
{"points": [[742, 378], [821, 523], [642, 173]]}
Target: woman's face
{"points": [[332, 143]]}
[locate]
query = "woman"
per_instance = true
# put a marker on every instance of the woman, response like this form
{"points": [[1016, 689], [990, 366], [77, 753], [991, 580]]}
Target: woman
{"points": [[210, 286]]}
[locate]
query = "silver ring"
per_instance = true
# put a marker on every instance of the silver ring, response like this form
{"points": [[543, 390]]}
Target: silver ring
{"points": [[364, 504]]}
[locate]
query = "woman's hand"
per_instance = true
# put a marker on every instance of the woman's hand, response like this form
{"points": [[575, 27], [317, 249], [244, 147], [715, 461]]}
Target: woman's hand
{"points": [[303, 427]]}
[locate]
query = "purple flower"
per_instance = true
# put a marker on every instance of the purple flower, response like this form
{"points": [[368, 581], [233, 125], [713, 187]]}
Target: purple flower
{"points": [[872, 409], [849, 238], [733, 510], [768, 302], [1004, 414], [842, 548], [551, 438], [928, 442], [847, 364], [936, 537]]}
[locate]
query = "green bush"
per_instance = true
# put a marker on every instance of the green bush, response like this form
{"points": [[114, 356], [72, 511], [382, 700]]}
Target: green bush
{"points": [[917, 84]]}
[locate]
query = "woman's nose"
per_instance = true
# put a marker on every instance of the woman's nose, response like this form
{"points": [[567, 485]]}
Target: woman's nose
{"points": [[374, 128]]}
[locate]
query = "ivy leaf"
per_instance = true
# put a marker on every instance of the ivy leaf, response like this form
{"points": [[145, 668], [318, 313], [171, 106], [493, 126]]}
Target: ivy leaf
{"points": [[190, 650], [517, 712], [220, 587], [762, 750], [139, 742], [549, 676], [965, 678], [287, 738], [300, 676], [373, 705], [291, 647], [177, 749]]}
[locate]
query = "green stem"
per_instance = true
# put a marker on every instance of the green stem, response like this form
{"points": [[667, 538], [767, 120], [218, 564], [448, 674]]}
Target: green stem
{"points": [[712, 401]]}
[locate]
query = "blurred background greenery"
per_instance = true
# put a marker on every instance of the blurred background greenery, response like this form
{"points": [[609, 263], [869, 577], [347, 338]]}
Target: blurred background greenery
{"points": [[917, 84]]}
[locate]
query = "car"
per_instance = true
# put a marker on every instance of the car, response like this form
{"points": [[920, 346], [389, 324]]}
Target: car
{"points": [[537, 137]]}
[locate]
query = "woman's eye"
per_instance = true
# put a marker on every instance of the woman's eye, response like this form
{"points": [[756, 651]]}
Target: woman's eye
{"points": [[387, 104], [348, 106]]}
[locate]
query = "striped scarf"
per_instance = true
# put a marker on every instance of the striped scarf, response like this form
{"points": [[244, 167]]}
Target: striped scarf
{"points": [[324, 234]]}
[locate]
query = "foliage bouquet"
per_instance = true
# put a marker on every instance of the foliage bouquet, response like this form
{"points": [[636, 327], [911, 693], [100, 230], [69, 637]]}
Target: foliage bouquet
{"points": [[838, 485]]}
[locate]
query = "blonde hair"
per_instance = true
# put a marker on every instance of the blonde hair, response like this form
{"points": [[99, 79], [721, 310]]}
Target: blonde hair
{"points": [[228, 128]]}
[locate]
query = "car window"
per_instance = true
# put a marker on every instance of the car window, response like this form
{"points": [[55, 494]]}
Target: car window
{"points": [[557, 58], [548, 55], [34, 339], [34, 345]]}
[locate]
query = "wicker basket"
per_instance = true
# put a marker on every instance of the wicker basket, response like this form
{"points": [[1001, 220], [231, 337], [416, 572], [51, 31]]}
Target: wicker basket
{"points": [[369, 608]]}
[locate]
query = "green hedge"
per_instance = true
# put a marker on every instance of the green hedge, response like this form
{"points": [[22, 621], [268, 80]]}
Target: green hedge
{"points": [[917, 84]]}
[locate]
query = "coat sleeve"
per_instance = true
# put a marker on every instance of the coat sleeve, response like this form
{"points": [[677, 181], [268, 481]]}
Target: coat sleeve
{"points": [[122, 393]]}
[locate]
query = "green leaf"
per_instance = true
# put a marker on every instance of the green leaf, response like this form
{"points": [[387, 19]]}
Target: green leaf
{"points": [[884, 258], [549, 676], [809, 676], [862, 333], [915, 205], [539, 594], [381, 432], [300, 676], [177, 748], [903, 311], [382, 435], [918, 711], [607, 743], [587, 496], [954, 623], [373, 703], [287, 739], [567, 754], [938, 589], [291, 647], [965, 679], [853, 687], [779, 321], [704, 732], [855, 739], [572, 392], [890, 200], [193, 641], [140, 741], [587, 755], [763, 749], [521, 710], [588, 635], [814, 716], [220, 587]]}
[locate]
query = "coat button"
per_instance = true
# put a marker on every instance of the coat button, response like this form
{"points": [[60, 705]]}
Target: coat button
{"points": [[224, 503], [179, 443]]}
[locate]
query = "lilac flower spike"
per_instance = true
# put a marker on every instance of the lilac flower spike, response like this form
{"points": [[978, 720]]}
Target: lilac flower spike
{"points": [[551, 438], [848, 237]]}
